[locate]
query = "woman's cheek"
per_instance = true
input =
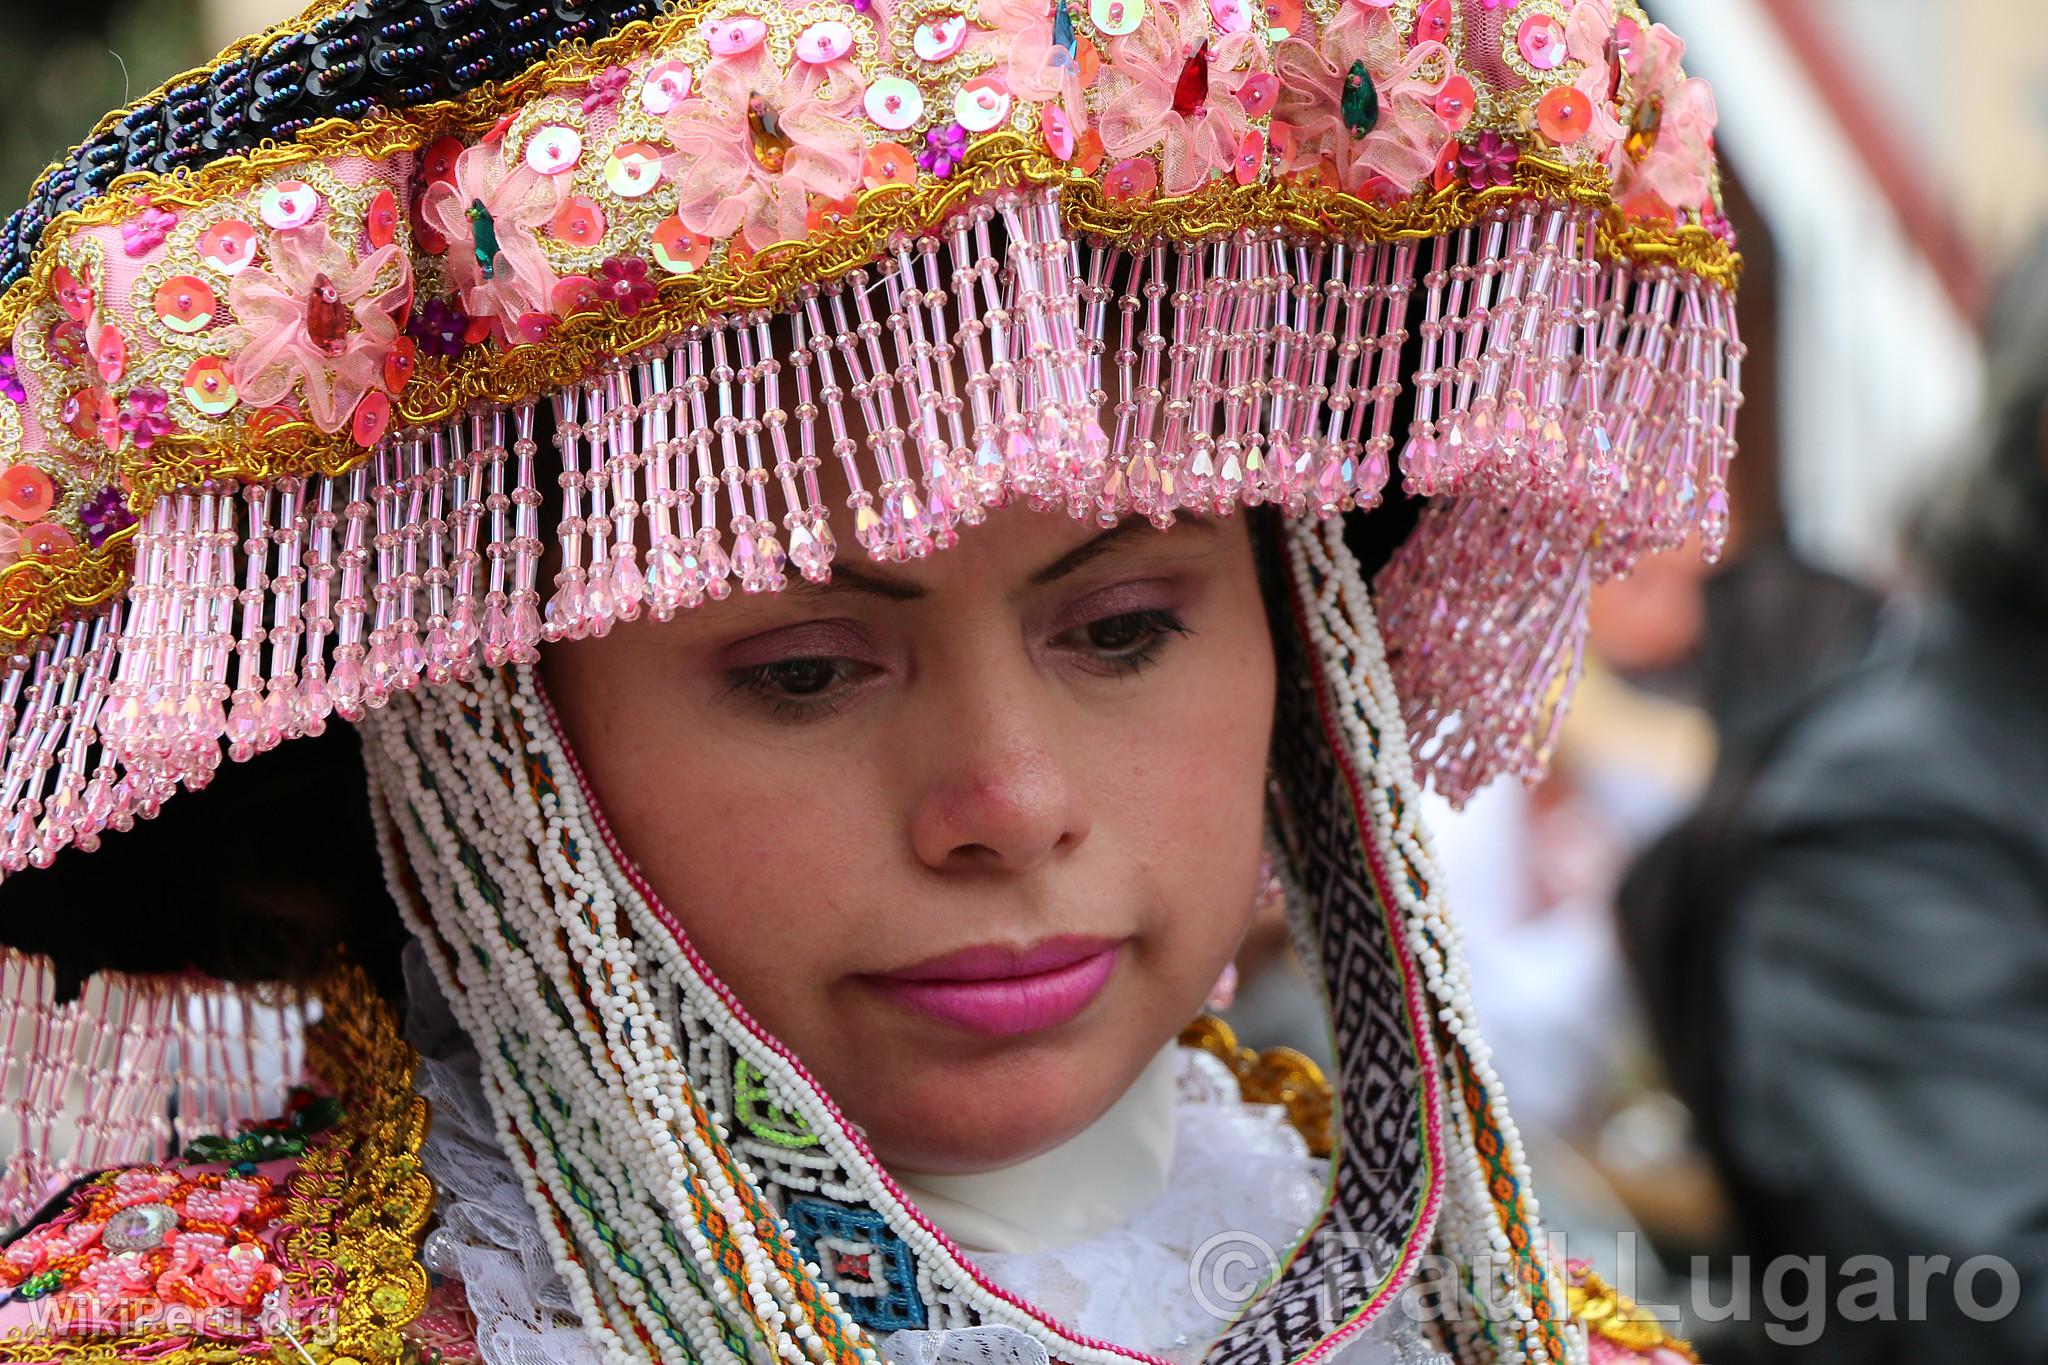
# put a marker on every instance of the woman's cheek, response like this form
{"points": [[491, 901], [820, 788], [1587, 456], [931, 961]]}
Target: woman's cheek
{"points": [[769, 895]]}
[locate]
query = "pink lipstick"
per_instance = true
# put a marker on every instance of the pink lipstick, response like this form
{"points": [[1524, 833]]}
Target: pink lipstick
{"points": [[997, 990]]}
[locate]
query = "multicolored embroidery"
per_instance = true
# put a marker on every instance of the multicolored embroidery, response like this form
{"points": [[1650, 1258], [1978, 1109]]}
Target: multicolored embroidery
{"points": [[863, 1261], [296, 1235]]}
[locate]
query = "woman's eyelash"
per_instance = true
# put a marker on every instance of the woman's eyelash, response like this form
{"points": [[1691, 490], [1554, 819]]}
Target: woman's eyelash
{"points": [[1154, 629], [769, 684], [814, 686]]}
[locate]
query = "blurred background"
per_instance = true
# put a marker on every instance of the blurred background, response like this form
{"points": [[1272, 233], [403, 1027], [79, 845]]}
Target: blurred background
{"points": [[1692, 1057]]}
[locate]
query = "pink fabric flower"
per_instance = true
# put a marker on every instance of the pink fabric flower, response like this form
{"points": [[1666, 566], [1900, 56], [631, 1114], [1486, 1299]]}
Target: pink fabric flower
{"points": [[144, 420], [1404, 144], [1489, 161], [316, 318], [622, 282], [1587, 30], [520, 202], [753, 144], [605, 88], [1663, 165], [213, 1206], [1140, 74], [1035, 69], [146, 230], [132, 1187], [239, 1278], [944, 149], [122, 1276]]}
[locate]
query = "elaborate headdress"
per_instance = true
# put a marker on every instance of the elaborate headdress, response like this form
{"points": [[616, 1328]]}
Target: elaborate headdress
{"points": [[287, 338]]}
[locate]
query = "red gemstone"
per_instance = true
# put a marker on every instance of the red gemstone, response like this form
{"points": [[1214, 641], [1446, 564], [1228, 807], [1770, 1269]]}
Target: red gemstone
{"points": [[1193, 86], [328, 319]]}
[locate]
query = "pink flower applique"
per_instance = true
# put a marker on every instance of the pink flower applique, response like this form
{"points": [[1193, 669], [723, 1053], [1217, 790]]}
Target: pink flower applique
{"points": [[1170, 87], [240, 1277], [144, 419], [944, 150], [605, 89], [622, 282], [1589, 30], [1663, 165], [1036, 69], [143, 1187], [497, 210], [214, 1206], [315, 318], [1402, 146], [117, 1277], [145, 232], [753, 145], [1489, 161]]}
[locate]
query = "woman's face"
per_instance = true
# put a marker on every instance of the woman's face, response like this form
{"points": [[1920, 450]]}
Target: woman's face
{"points": [[973, 835]]}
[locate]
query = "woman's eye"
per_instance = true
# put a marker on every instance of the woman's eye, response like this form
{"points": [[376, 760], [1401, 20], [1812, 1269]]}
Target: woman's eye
{"points": [[1123, 643], [801, 686], [803, 677]]}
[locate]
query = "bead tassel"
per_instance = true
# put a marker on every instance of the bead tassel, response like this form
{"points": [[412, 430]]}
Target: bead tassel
{"points": [[1559, 403]]}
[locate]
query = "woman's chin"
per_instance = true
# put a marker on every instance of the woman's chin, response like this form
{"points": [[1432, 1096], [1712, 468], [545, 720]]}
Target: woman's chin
{"points": [[955, 1125]]}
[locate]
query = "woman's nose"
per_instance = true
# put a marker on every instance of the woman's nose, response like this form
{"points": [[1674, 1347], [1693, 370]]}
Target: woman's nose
{"points": [[998, 796]]}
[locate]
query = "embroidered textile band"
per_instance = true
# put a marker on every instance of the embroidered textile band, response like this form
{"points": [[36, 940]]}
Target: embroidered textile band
{"points": [[275, 430]]}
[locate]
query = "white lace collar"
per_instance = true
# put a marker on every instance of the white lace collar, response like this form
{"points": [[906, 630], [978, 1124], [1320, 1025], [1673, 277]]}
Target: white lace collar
{"points": [[1094, 1181]]}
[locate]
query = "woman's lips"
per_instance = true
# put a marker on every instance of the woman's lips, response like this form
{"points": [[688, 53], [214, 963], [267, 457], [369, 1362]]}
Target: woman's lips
{"points": [[997, 990]]}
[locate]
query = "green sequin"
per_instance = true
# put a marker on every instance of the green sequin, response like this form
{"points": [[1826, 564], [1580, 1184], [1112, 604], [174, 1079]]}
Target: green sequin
{"points": [[483, 234], [1361, 101], [39, 1284]]}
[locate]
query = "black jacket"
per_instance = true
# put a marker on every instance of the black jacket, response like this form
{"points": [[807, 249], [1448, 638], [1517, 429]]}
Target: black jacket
{"points": [[1846, 958]]}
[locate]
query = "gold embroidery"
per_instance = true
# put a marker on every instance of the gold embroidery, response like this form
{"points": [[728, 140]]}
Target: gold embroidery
{"points": [[1607, 1314], [385, 1196], [34, 593], [29, 604], [1279, 1075]]}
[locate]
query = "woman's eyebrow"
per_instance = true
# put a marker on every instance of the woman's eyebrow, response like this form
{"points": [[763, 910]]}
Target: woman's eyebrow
{"points": [[853, 578], [1087, 550]]}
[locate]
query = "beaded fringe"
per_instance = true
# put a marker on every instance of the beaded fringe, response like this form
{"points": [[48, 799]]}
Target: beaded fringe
{"points": [[91, 1083], [1560, 403]]}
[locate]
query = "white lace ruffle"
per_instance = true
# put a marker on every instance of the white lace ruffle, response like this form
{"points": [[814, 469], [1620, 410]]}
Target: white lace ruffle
{"points": [[1242, 1182], [488, 1236], [1241, 1188]]}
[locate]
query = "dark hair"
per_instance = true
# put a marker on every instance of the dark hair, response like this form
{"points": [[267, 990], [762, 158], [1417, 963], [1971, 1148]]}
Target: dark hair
{"points": [[1984, 539], [264, 874]]}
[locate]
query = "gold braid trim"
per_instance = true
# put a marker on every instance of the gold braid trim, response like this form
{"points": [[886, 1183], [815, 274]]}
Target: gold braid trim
{"points": [[384, 1198], [1279, 1075], [1691, 249], [1616, 1318], [35, 593]]}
